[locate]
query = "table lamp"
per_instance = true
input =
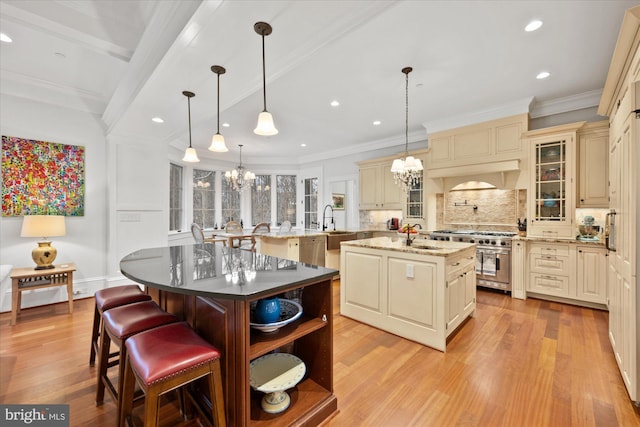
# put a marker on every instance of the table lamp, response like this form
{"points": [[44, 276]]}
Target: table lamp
{"points": [[43, 226]]}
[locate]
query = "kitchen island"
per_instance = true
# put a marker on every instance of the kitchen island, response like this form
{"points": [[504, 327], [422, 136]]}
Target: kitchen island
{"points": [[422, 292], [213, 288]]}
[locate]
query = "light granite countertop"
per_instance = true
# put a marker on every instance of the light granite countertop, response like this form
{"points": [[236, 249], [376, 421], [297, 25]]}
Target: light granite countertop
{"points": [[293, 234], [599, 243], [419, 246]]}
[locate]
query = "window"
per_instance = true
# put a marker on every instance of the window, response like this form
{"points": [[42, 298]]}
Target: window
{"points": [[261, 200], [286, 199], [175, 197], [311, 203], [230, 203], [414, 200], [204, 198]]}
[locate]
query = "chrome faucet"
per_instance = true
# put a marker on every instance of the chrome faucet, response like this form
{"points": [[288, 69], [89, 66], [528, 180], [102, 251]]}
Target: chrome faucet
{"points": [[409, 239], [324, 223]]}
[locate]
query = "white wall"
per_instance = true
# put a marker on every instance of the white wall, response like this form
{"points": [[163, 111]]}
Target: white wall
{"points": [[85, 241]]}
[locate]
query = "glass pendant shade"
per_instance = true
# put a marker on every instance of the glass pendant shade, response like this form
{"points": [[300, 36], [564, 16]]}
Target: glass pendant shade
{"points": [[265, 125], [190, 155], [217, 144]]}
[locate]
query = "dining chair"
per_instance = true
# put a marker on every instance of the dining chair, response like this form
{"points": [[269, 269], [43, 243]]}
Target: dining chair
{"points": [[285, 227], [260, 228], [198, 234], [233, 227]]}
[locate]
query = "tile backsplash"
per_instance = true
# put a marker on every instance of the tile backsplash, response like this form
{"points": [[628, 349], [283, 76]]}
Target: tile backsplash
{"points": [[486, 209]]}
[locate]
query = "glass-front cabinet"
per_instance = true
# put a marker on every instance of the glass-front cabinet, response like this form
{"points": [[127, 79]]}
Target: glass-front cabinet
{"points": [[551, 198], [550, 181]]}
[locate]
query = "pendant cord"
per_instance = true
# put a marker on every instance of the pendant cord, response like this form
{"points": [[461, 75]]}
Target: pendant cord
{"points": [[406, 121], [218, 130], [189, 113], [264, 78]]}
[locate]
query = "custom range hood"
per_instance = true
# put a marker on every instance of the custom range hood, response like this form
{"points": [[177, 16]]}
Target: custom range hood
{"points": [[504, 174]]}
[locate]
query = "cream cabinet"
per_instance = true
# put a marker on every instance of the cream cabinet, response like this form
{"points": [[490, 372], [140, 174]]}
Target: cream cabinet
{"points": [[460, 290], [576, 273], [551, 197], [486, 142], [518, 268], [378, 189], [591, 277], [420, 297], [550, 269], [593, 165]]}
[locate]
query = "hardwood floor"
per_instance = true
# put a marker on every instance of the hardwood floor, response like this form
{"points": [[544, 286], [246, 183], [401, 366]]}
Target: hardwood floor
{"points": [[517, 363]]}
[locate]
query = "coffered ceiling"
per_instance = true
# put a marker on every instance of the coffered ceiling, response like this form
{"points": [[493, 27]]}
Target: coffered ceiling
{"points": [[129, 61]]}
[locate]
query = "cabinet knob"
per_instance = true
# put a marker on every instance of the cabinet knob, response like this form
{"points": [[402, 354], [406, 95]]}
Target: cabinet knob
{"points": [[582, 200], [580, 250]]}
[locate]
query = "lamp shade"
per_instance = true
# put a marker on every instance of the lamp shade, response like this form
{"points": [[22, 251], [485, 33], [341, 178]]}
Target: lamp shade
{"points": [[217, 144], [190, 155], [265, 125], [43, 226]]}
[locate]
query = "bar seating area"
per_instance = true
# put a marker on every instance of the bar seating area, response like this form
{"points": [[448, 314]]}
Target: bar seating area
{"points": [[167, 354]]}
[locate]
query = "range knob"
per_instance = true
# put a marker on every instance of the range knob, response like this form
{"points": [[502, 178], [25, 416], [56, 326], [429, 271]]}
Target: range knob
{"points": [[503, 243], [447, 238], [493, 242], [472, 241]]}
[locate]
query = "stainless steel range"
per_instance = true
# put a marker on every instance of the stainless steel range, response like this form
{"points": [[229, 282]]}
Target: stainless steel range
{"points": [[493, 256]]}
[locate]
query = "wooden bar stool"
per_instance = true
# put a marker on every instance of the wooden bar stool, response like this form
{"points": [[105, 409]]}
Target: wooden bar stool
{"points": [[166, 358], [110, 298], [118, 324]]}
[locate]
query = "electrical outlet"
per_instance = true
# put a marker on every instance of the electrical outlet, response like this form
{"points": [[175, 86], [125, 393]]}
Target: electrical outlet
{"points": [[410, 271]]}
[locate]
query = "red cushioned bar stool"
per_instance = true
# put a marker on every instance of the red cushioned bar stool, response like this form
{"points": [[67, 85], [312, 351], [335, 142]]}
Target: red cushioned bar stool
{"points": [[166, 358], [107, 299], [119, 324]]}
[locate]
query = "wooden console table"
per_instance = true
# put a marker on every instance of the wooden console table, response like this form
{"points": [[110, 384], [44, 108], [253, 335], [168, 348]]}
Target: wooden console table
{"points": [[26, 279]]}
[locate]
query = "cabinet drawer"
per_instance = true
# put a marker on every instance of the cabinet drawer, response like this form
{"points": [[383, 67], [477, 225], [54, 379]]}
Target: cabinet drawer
{"points": [[549, 249], [549, 264], [458, 265], [549, 284]]}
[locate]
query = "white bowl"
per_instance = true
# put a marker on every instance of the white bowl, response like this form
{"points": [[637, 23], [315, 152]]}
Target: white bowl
{"points": [[289, 311]]}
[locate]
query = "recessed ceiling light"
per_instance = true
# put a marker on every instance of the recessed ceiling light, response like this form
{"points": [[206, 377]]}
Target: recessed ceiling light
{"points": [[5, 38], [225, 125], [377, 123], [59, 55], [157, 120], [335, 103], [543, 75], [533, 25], [303, 145]]}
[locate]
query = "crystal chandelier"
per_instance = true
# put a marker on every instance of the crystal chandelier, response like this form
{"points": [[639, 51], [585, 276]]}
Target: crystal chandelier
{"points": [[407, 170], [239, 178]]}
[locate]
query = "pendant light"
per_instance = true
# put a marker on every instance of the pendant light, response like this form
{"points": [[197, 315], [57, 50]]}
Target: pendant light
{"points": [[217, 142], [190, 154], [265, 120], [238, 178], [407, 170]]}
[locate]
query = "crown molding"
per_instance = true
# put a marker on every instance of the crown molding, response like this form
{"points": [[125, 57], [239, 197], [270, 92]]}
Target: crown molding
{"points": [[566, 104]]}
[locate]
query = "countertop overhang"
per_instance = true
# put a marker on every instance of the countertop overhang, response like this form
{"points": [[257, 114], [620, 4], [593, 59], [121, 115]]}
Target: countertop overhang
{"points": [[210, 270]]}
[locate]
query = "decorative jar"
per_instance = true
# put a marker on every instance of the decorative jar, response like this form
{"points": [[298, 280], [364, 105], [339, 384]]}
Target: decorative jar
{"points": [[267, 310]]}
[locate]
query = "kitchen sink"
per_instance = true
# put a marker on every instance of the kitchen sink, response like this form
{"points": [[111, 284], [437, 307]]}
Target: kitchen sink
{"points": [[334, 238]]}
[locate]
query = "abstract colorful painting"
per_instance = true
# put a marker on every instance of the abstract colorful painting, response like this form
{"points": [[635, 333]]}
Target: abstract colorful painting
{"points": [[41, 178]]}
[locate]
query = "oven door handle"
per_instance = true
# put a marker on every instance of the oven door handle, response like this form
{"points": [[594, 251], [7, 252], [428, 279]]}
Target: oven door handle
{"points": [[497, 263]]}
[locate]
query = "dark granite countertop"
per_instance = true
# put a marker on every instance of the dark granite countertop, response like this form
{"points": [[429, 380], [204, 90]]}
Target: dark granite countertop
{"points": [[214, 271]]}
